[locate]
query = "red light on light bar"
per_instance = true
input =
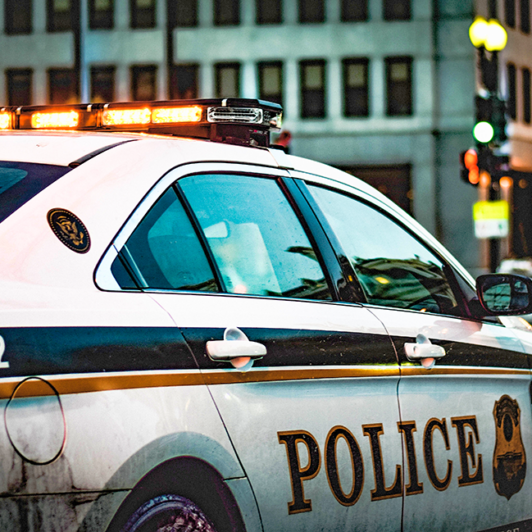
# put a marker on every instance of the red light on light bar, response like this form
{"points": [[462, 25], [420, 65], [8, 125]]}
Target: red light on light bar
{"points": [[126, 117], [5, 120], [173, 115], [68, 119]]}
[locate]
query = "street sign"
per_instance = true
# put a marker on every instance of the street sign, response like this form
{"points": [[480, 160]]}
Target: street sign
{"points": [[491, 219]]}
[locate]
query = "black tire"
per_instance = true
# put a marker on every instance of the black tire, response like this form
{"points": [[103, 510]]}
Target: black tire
{"points": [[168, 513]]}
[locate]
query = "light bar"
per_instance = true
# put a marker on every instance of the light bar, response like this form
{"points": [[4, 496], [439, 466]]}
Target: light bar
{"points": [[176, 115], [68, 119], [5, 120], [126, 117], [241, 115]]}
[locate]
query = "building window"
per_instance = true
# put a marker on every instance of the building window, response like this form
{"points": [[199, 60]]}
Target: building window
{"points": [[512, 91], [19, 81], [183, 13], [184, 82], [142, 13], [312, 74], [525, 16], [226, 12], [492, 9], [227, 79], [269, 11], [311, 11], [509, 13], [101, 14], [396, 10], [356, 87], [103, 84], [354, 11], [63, 86], [144, 83], [60, 15], [18, 16], [399, 86], [526, 96], [271, 81]]}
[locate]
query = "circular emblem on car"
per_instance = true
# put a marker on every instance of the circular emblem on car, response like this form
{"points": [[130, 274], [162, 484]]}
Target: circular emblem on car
{"points": [[70, 230]]}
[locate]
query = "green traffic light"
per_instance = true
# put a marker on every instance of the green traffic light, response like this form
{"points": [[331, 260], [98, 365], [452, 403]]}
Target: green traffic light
{"points": [[483, 132]]}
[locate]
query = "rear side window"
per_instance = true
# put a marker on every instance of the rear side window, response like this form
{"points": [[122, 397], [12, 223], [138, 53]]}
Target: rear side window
{"points": [[20, 182]]}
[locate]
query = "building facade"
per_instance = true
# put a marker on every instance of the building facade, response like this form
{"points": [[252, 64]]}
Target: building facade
{"points": [[381, 88]]}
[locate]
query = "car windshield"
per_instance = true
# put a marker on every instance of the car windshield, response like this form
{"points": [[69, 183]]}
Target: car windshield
{"points": [[19, 182]]}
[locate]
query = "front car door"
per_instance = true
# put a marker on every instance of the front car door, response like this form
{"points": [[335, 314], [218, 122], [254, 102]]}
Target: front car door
{"points": [[226, 248], [466, 417]]}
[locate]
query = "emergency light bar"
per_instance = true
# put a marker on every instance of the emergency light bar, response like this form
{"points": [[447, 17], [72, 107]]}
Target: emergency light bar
{"points": [[236, 120]]}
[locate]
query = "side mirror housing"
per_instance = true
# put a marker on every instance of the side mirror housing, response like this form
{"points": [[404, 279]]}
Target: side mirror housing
{"points": [[505, 294]]}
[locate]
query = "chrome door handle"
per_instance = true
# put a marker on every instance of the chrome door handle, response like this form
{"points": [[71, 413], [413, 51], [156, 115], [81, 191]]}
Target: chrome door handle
{"points": [[423, 351], [235, 345]]}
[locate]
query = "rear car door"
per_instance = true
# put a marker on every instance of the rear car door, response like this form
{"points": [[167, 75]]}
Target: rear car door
{"points": [[465, 417], [226, 250]]}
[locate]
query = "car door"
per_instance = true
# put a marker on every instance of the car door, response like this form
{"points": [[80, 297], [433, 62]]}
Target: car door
{"points": [[465, 417], [240, 269]]}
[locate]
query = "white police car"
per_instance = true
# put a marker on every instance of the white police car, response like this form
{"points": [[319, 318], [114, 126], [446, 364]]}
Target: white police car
{"points": [[209, 333]]}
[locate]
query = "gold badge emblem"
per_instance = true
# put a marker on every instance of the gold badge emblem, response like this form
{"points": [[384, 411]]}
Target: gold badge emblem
{"points": [[509, 458], [69, 229]]}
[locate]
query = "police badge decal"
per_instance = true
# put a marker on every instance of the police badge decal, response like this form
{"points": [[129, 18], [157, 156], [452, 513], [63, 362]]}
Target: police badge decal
{"points": [[509, 458], [70, 230]]}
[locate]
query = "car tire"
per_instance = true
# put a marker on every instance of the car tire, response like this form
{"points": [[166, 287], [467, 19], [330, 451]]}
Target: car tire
{"points": [[168, 513]]}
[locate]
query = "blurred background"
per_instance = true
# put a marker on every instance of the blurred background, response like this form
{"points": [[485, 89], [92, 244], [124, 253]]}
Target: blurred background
{"points": [[388, 90]]}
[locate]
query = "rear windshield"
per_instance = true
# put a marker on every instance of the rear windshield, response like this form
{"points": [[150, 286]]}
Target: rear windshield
{"points": [[19, 182]]}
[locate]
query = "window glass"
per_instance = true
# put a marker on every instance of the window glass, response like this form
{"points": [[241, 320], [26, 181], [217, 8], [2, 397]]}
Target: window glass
{"points": [[61, 15], [184, 84], [258, 244], [103, 84], [183, 13], [166, 252], [144, 82], [269, 11], [226, 12], [271, 81], [63, 85], [354, 10], [142, 13], [393, 267], [227, 78], [19, 84], [101, 14], [356, 87], [312, 74], [399, 86], [18, 16], [311, 11], [396, 9]]}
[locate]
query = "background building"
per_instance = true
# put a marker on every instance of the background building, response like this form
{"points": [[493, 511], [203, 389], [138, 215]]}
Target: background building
{"points": [[381, 88]]}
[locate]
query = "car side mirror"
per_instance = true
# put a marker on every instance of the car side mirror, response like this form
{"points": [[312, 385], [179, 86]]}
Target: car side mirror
{"points": [[505, 294]]}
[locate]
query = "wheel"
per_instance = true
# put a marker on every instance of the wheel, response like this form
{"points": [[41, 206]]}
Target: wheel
{"points": [[168, 513]]}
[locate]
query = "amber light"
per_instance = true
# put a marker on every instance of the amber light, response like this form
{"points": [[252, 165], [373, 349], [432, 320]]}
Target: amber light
{"points": [[123, 117], [5, 120], [172, 115], [506, 182], [54, 120]]}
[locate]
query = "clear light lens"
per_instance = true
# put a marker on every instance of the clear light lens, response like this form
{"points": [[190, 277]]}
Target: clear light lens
{"points": [[69, 119], [123, 117], [241, 115], [483, 132], [5, 120], [173, 115]]}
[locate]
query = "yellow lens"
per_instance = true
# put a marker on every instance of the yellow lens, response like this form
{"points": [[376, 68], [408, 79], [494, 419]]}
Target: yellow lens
{"points": [[169, 115], [54, 120], [5, 120], [126, 117]]}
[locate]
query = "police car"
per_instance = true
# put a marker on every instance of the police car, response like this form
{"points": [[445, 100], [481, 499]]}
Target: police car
{"points": [[200, 332]]}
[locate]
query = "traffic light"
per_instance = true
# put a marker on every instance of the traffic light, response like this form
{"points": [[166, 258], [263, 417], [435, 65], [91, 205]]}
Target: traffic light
{"points": [[469, 169], [490, 125]]}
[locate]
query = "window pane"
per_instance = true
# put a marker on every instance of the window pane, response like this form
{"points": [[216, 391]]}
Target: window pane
{"points": [[312, 89], [356, 87], [184, 82], [227, 80], [399, 86], [256, 239], [509, 12], [226, 12], [183, 13], [396, 9], [394, 268], [60, 15], [526, 96], [19, 83], [354, 10], [18, 16], [512, 91], [102, 84], [144, 83], [525, 16], [311, 11], [142, 13], [167, 251], [271, 81], [101, 13], [269, 11], [63, 86]]}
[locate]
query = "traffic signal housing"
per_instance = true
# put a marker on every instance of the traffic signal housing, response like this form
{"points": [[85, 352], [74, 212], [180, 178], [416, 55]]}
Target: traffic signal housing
{"points": [[469, 167], [490, 124]]}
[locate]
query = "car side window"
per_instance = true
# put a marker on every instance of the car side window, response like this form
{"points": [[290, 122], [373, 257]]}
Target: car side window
{"points": [[256, 239], [164, 252], [393, 267]]}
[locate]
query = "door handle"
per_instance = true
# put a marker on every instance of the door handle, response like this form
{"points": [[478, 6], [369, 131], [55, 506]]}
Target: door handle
{"points": [[423, 351], [235, 348]]}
